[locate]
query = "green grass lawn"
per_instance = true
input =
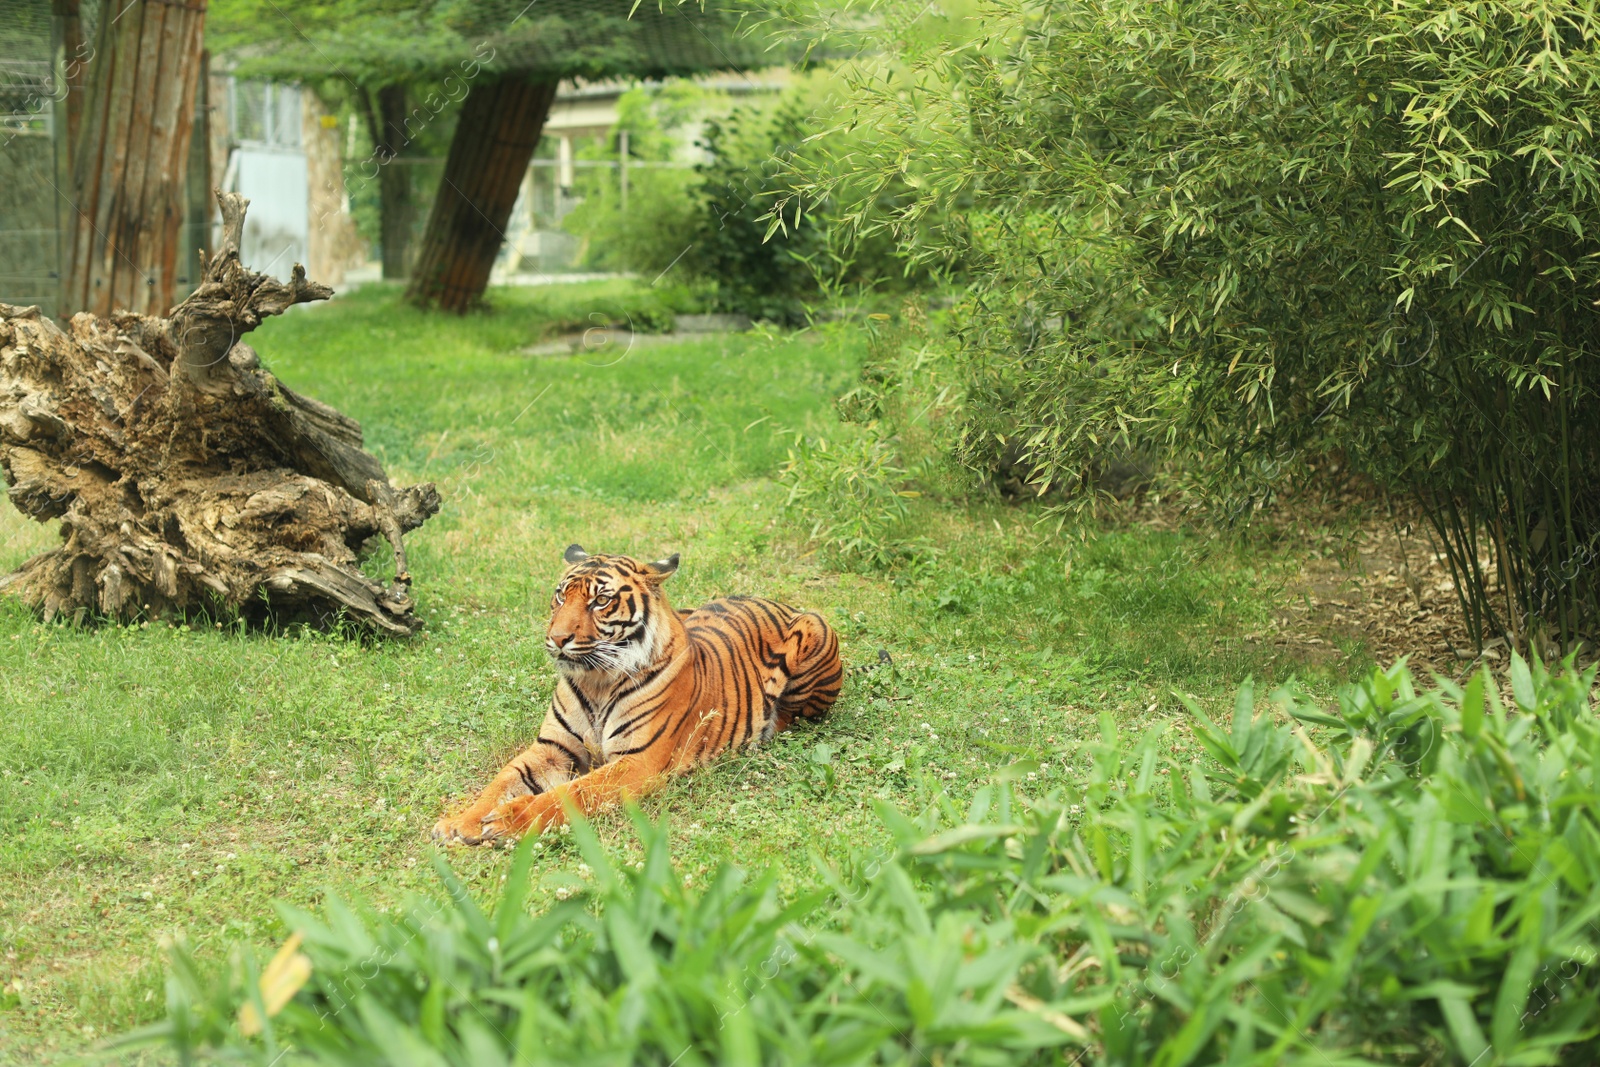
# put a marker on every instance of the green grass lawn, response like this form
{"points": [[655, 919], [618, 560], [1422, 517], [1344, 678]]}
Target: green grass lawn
{"points": [[156, 777]]}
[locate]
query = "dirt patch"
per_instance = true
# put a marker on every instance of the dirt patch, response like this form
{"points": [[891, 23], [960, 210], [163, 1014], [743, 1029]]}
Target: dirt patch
{"points": [[1370, 582], [1387, 592]]}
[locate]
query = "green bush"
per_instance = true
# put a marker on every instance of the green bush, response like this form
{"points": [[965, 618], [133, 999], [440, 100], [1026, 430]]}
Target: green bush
{"points": [[764, 275], [850, 488], [661, 221], [732, 223], [773, 255], [637, 969], [1422, 887], [849, 495], [1419, 884], [1255, 235]]}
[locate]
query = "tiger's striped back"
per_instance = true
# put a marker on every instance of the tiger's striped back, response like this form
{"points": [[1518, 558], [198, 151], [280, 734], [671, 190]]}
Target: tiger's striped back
{"points": [[762, 664]]}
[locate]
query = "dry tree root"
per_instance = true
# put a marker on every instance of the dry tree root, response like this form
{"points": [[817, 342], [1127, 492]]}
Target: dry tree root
{"points": [[184, 475]]}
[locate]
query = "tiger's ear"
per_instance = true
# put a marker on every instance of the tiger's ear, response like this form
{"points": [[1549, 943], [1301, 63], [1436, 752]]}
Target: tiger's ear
{"points": [[662, 569], [575, 554]]}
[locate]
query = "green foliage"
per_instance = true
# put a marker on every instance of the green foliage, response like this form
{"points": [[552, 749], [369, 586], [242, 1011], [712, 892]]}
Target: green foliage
{"points": [[1254, 235], [707, 222], [850, 493], [766, 276], [634, 969], [382, 42], [732, 222], [660, 223], [850, 487], [1422, 888], [1363, 900]]}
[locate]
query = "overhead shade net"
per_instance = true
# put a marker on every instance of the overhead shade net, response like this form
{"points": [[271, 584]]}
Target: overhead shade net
{"points": [[603, 37], [551, 39]]}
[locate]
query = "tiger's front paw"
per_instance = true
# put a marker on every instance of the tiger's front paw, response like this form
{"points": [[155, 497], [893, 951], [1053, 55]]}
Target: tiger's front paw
{"points": [[524, 815], [471, 827], [510, 819]]}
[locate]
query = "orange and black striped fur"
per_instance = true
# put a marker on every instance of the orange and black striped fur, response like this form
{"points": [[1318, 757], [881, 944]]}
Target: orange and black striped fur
{"points": [[645, 691]]}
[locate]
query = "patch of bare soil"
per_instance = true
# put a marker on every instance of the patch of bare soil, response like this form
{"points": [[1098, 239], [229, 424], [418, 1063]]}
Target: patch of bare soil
{"points": [[1386, 591], [1370, 582]]}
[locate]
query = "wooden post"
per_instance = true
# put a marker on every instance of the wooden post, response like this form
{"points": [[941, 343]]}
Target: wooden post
{"points": [[74, 60], [498, 130], [130, 157], [622, 167], [195, 238]]}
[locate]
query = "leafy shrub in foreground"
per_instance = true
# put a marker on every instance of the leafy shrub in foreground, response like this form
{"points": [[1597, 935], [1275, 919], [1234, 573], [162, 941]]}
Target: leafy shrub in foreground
{"points": [[639, 970], [1422, 887]]}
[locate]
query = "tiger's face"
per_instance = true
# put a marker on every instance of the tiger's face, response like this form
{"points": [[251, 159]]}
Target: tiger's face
{"points": [[608, 613]]}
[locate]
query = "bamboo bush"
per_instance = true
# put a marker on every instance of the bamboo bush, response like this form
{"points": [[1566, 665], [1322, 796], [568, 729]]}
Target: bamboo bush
{"points": [[1256, 235]]}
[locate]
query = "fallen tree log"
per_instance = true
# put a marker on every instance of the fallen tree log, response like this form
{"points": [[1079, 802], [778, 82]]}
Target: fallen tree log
{"points": [[185, 476]]}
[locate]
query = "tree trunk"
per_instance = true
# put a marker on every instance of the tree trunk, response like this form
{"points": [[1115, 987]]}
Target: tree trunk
{"points": [[185, 476], [396, 205], [75, 59], [499, 128], [129, 157]]}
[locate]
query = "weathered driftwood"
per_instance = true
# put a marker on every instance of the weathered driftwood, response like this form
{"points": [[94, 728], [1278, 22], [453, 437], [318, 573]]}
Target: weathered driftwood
{"points": [[184, 475]]}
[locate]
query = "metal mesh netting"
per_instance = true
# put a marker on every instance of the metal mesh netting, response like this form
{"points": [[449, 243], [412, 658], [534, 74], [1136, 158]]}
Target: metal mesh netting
{"points": [[599, 37], [545, 39], [28, 250], [25, 69]]}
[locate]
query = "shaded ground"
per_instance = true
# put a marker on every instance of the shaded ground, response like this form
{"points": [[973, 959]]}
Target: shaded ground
{"points": [[1393, 593], [1364, 584]]}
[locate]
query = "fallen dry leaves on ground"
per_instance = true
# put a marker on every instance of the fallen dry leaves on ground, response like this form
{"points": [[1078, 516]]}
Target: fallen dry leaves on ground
{"points": [[1370, 577]]}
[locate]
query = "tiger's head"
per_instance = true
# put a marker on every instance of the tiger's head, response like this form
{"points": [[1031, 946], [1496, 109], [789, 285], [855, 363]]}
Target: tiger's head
{"points": [[609, 614]]}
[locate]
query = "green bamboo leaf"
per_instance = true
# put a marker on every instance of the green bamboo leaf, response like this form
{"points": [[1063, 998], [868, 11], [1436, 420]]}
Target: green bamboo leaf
{"points": [[461, 897], [1522, 684], [633, 953], [1102, 853], [1472, 704], [1512, 998], [1210, 738], [1465, 1034], [879, 967], [518, 881], [594, 853], [949, 840]]}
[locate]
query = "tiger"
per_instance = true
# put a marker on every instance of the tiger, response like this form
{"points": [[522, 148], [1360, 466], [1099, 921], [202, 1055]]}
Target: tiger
{"points": [[644, 692]]}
